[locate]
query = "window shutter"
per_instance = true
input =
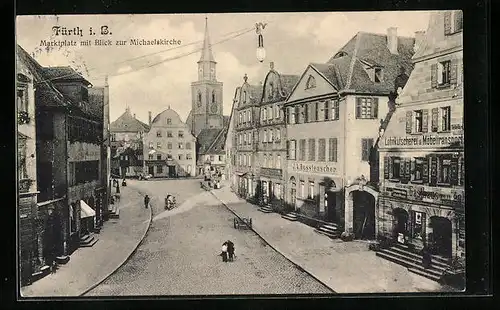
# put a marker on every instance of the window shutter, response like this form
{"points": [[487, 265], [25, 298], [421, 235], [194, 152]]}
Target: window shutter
{"points": [[287, 149], [386, 167], [425, 120], [453, 71], [335, 149], [389, 166], [409, 119], [407, 172], [454, 171], [363, 148], [433, 170], [434, 75], [375, 108], [358, 107], [447, 22], [425, 170], [434, 119], [458, 20]]}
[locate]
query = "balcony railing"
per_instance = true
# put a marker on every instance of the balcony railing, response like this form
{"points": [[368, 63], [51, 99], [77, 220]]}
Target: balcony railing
{"points": [[271, 172]]}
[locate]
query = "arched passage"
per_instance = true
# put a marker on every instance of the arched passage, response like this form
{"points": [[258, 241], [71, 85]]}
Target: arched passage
{"points": [[360, 214], [400, 223], [440, 239]]}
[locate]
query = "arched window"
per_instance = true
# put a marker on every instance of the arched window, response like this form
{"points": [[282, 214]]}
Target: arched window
{"points": [[270, 92], [311, 82], [244, 96], [213, 96], [199, 98]]}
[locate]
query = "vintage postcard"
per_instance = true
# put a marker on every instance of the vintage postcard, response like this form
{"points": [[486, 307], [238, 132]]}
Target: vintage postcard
{"points": [[235, 154]]}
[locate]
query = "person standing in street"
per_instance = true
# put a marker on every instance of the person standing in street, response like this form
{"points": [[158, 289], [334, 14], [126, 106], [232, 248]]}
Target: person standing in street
{"points": [[230, 250], [146, 201], [224, 252]]}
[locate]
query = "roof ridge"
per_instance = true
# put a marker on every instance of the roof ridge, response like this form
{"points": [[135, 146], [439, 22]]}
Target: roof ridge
{"points": [[353, 60]]}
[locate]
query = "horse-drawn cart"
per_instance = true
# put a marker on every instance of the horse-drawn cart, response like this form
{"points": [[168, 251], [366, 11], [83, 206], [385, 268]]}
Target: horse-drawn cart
{"points": [[243, 223]]}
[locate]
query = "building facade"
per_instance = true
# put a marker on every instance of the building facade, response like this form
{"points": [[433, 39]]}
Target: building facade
{"points": [[333, 119], [229, 146], [211, 156], [246, 139], [169, 147], [207, 102], [271, 149], [422, 151], [127, 147]]}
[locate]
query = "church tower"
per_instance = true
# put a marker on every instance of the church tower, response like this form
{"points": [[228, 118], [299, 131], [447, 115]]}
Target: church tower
{"points": [[206, 93]]}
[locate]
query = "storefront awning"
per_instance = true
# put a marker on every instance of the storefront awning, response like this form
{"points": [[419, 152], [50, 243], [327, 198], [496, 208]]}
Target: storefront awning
{"points": [[85, 210]]}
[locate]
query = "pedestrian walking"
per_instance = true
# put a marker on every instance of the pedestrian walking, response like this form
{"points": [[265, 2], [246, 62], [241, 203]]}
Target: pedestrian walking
{"points": [[146, 201], [230, 250], [224, 252]]}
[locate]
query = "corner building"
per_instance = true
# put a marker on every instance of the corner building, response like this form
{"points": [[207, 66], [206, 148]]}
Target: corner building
{"points": [[422, 199], [333, 116]]}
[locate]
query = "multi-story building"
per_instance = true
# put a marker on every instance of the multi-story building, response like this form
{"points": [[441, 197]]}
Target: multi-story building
{"points": [[246, 140], [230, 146], [27, 75], [271, 149], [127, 133], [169, 147], [333, 118], [422, 195], [211, 156]]}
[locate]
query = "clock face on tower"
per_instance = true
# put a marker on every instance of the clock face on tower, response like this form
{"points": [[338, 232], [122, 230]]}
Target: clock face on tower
{"points": [[214, 108]]}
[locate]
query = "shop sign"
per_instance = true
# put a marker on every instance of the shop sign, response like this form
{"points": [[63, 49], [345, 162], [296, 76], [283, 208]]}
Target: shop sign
{"points": [[426, 194], [313, 168], [437, 140]]}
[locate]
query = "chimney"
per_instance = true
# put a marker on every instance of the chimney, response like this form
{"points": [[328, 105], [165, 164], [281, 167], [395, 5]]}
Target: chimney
{"points": [[392, 40], [149, 118], [419, 39]]}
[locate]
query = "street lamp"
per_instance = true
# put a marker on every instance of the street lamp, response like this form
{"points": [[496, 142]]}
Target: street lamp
{"points": [[261, 52]]}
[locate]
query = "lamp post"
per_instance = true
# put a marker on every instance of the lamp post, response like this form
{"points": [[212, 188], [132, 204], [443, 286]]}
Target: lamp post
{"points": [[261, 51]]}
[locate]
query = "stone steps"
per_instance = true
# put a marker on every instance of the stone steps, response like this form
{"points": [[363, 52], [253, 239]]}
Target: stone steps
{"points": [[330, 230], [266, 209], [290, 216], [62, 260], [88, 241]]}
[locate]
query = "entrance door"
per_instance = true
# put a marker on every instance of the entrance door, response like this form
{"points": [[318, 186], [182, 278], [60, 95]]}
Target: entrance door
{"points": [[151, 170], [400, 217], [441, 236], [293, 196], [331, 205], [363, 215], [171, 171]]}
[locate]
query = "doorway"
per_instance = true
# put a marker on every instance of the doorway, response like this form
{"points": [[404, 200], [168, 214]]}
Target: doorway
{"points": [[151, 170], [330, 206], [363, 215], [441, 236], [400, 218], [171, 172]]}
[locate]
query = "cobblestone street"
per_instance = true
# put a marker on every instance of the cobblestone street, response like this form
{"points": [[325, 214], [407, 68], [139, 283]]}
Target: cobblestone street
{"points": [[179, 255]]}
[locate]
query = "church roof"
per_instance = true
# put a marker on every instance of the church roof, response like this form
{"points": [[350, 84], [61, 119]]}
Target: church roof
{"points": [[206, 52], [211, 141], [128, 123]]}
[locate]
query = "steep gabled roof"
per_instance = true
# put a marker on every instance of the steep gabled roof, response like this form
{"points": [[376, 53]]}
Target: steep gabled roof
{"points": [[332, 72], [288, 82], [65, 73], [127, 123], [206, 139]]}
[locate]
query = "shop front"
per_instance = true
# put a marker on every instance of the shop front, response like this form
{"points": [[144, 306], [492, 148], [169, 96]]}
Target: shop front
{"points": [[420, 216], [272, 187]]}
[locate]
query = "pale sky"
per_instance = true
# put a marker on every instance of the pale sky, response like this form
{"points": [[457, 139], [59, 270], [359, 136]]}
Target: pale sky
{"points": [[291, 40]]}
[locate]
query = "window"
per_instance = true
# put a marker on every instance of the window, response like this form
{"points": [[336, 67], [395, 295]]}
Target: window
{"points": [[158, 133], [245, 138], [316, 111], [418, 170], [169, 121], [291, 116], [327, 110], [169, 134], [211, 158], [150, 156], [443, 73], [312, 149], [169, 156], [169, 146], [278, 161], [321, 150], [188, 168], [22, 158], [199, 98], [188, 145], [22, 99], [159, 169], [181, 146], [244, 96], [453, 22], [302, 149], [221, 158], [366, 108], [158, 156], [336, 112], [179, 156], [444, 170], [113, 137], [264, 116], [305, 113], [158, 145], [445, 118], [332, 149], [418, 120], [213, 96], [241, 118], [310, 192], [270, 135], [292, 149], [265, 136], [270, 113], [277, 109], [396, 171], [378, 75], [366, 145], [311, 82], [278, 135], [189, 156], [181, 134], [302, 190]]}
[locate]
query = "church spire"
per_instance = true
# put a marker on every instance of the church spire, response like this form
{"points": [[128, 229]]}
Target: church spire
{"points": [[206, 53]]}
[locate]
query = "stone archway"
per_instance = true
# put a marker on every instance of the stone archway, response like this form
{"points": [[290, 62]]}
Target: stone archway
{"points": [[364, 198], [441, 237]]}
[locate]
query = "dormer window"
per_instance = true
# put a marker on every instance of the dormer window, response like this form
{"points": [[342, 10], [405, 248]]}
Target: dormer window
{"points": [[453, 22], [311, 82], [378, 77]]}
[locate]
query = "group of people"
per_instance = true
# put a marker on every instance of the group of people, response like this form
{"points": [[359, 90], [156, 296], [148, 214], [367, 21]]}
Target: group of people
{"points": [[227, 251]]}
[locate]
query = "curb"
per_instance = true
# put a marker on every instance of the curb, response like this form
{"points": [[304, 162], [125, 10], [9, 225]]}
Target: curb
{"points": [[274, 248], [128, 256]]}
